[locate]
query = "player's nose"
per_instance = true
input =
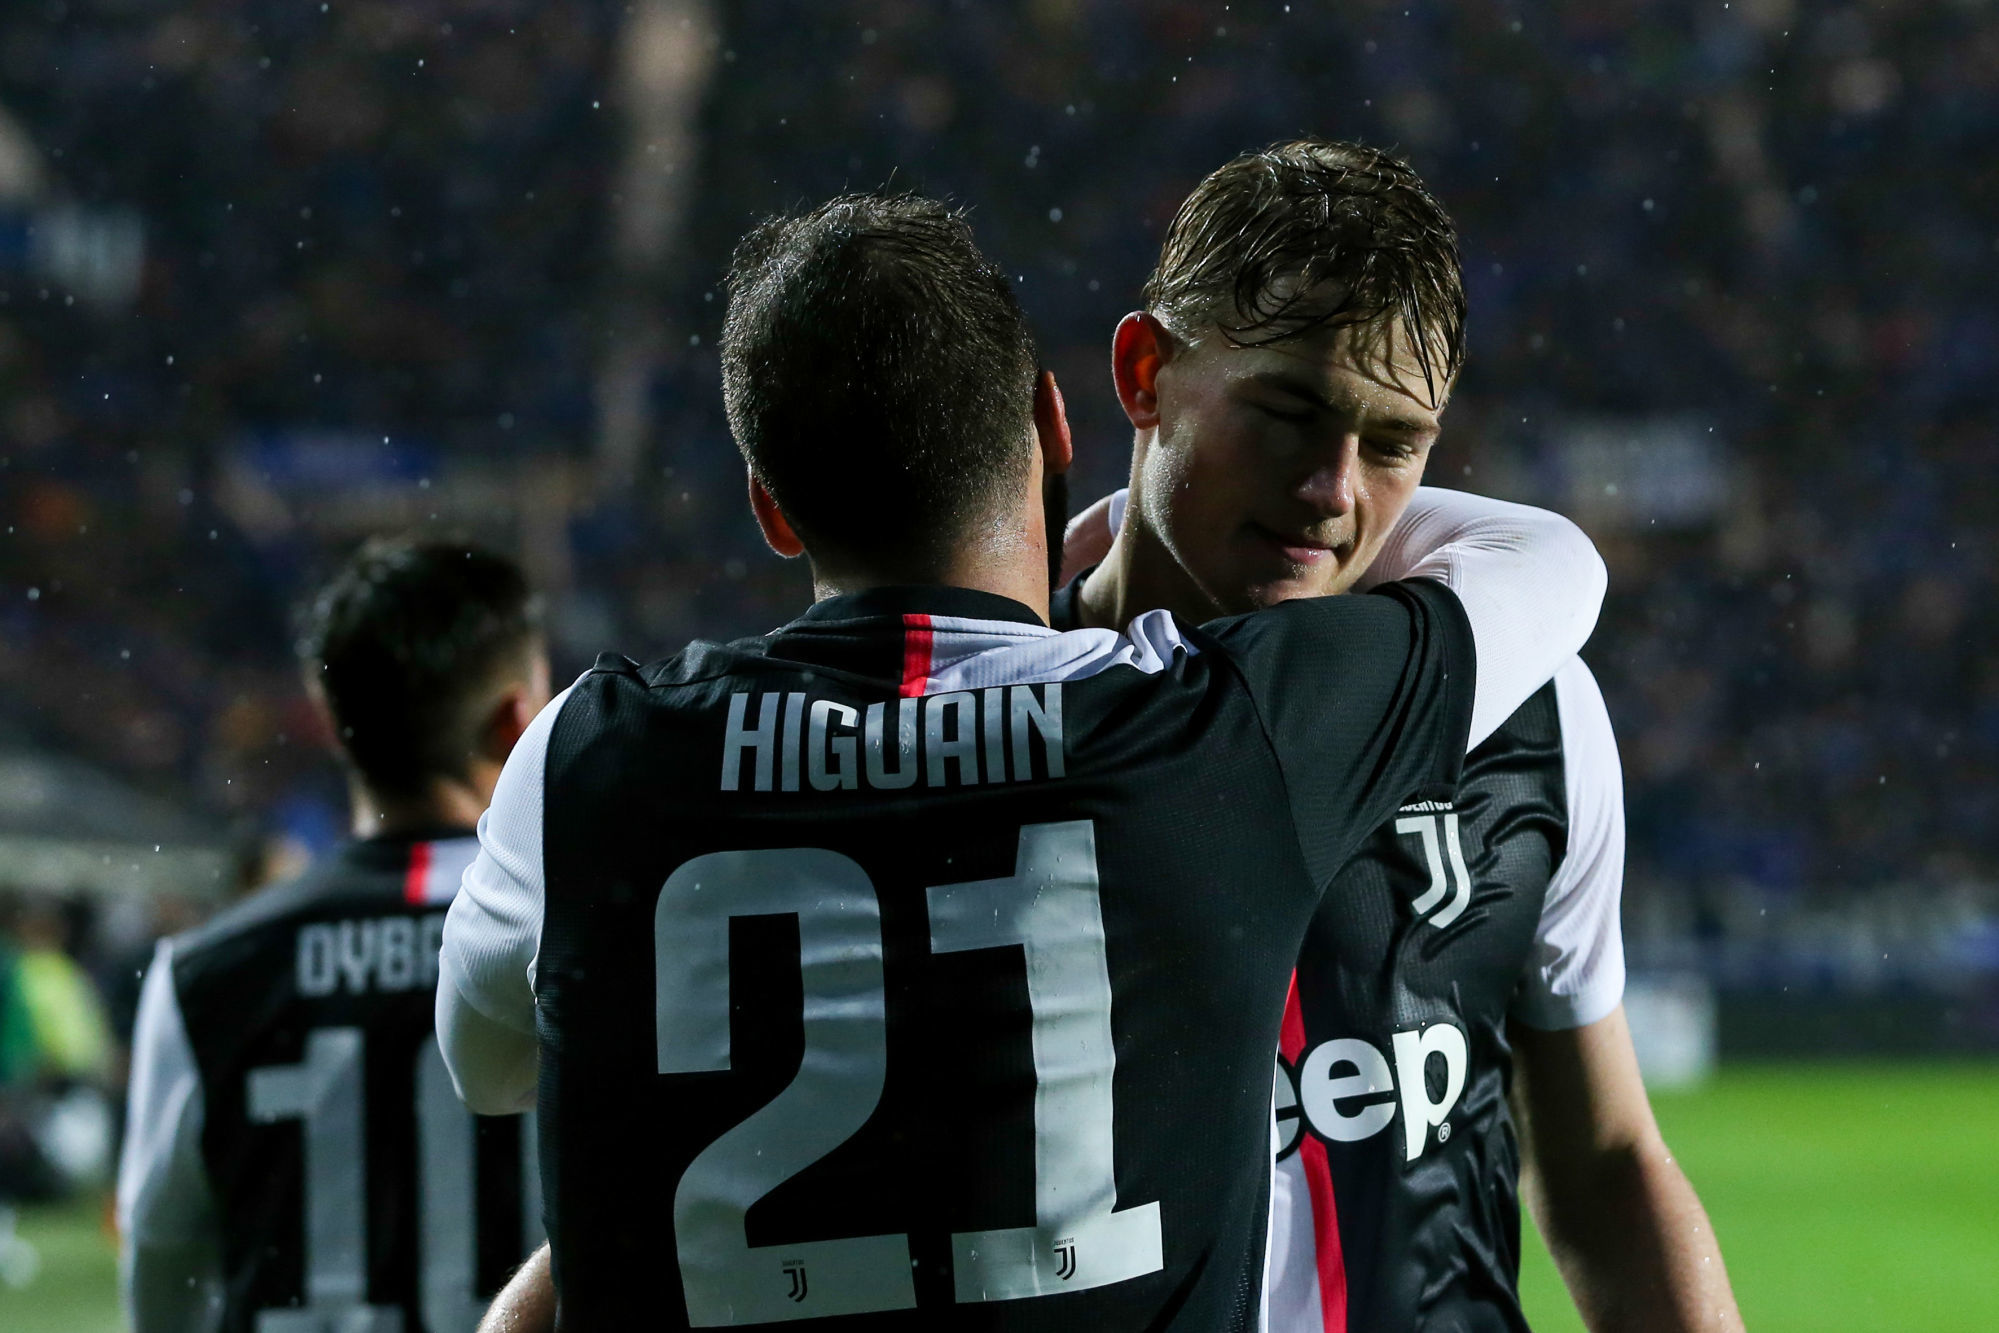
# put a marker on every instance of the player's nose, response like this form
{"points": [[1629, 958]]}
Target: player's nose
{"points": [[1329, 488]]}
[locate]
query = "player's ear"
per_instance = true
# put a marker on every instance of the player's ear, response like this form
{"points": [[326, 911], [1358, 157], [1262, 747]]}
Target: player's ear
{"points": [[776, 527], [1051, 425], [506, 721], [1140, 346]]}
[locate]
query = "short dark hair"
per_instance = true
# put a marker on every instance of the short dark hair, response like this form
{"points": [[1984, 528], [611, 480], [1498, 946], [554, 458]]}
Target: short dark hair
{"points": [[404, 643], [1309, 234], [878, 374]]}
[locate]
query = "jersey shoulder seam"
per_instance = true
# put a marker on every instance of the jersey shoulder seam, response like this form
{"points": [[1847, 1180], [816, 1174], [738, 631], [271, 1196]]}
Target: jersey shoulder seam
{"points": [[1219, 650]]}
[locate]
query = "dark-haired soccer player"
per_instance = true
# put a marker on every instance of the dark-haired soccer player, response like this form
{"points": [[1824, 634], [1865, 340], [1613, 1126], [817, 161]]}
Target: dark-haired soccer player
{"points": [[1285, 381], [915, 966], [296, 1160]]}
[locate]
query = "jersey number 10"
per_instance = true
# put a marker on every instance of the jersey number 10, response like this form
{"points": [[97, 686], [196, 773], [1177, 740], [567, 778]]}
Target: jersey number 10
{"points": [[325, 1090], [1049, 906]]}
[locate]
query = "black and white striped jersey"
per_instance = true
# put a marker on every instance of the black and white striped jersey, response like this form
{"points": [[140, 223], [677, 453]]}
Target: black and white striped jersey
{"points": [[1396, 1199], [918, 967], [294, 1143]]}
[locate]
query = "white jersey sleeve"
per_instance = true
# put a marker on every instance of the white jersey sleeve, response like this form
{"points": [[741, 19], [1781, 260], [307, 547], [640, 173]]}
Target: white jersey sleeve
{"points": [[492, 936], [167, 1226], [1530, 581], [1575, 975]]}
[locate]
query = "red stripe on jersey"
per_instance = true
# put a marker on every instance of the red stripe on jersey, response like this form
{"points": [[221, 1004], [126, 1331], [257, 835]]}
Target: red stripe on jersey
{"points": [[1332, 1264], [416, 880], [1291, 1040], [916, 643]]}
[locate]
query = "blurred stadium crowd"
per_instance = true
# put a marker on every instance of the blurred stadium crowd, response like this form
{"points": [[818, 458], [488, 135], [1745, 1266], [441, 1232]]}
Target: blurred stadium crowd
{"points": [[274, 276]]}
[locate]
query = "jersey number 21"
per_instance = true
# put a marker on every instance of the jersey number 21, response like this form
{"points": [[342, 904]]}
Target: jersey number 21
{"points": [[1050, 907]]}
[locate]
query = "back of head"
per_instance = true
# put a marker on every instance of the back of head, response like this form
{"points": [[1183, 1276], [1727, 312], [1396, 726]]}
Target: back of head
{"points": [[879, 377], [407, 645], [1314, 234]]}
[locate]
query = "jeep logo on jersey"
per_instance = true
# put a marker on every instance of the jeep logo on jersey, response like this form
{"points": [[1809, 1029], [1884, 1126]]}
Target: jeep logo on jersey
{"points": [[1345, 1090]]}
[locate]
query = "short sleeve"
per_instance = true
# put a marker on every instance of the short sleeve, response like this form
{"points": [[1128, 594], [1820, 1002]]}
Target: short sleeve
{"points": [[1365, 700], [163, 1188], [1576, 972], [493, 931]]}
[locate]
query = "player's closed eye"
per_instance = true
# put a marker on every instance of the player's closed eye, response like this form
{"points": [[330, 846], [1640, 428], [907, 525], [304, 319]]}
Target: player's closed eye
{"points": [[1290, 417]]}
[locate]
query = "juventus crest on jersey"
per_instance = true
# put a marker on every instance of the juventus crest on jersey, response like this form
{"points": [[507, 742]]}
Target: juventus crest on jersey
{"points": [[1395, 1202], [291, 1109], [919, 967], [1396, 1196]]}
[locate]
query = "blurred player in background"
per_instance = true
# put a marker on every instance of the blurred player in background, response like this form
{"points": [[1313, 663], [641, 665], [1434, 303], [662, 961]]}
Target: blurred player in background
{"points": [[295, 1158], [1285, 381], [916, 961]]}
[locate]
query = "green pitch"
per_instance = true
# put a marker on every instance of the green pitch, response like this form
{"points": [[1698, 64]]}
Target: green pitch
{"points": [[1847, 1197]]}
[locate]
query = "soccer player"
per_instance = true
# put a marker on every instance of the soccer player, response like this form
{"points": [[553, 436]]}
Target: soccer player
{"points": [[295, 1158], [1285, 381], [915, 962]]}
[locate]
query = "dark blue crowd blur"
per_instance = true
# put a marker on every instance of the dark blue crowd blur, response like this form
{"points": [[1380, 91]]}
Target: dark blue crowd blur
{"points": [[1734, 284]]}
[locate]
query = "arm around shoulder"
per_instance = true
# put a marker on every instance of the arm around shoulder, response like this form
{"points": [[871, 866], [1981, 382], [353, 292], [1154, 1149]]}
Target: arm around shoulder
{"points": [[1531, 583]]}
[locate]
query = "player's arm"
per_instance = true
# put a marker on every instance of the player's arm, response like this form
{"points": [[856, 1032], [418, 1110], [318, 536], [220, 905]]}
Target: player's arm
{"points": [[485, 972], [1087, 538], [1530, 581], [170, 1246], [1623, 1223], [527, 1303], [1363, 701]]}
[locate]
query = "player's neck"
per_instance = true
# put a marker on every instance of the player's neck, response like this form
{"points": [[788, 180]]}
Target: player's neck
{"points": [[1008, 560], [445, 805], [1139, 575]]}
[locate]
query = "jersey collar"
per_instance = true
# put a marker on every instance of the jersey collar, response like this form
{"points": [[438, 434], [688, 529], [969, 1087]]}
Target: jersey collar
{"points": [[925, 600], [1065, 604]]}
